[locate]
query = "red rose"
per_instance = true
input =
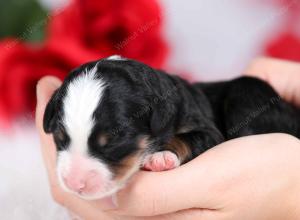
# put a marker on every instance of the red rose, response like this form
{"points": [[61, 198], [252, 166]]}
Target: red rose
{"points": [[21, 66], [83, 31], [131, 28], [286, 46]]}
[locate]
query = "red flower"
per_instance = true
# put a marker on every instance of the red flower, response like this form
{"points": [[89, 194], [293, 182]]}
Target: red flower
{"points": [[83, 31], [286, 46], [131, 28], [21, 66]]}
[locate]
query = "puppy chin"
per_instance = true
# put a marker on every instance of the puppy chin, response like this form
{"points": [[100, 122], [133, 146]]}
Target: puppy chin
{"points": [[101, 195]]}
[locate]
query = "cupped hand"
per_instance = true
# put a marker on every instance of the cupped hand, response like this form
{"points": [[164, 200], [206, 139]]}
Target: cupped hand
{"points": [[247, 178], [254, 177]]}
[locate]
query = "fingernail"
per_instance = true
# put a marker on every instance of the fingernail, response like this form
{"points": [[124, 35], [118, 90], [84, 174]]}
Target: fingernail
{"points": [[51, 82]]}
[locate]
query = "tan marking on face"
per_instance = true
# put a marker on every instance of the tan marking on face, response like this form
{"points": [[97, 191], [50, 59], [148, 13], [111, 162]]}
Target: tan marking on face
{"points": [[178, 146], [60, 134], [131, 164], [103, 139], [144, 142], [127, 167]]}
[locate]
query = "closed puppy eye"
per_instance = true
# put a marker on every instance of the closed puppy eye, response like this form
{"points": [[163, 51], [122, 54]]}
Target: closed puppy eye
{"points": [[61, 138], [60, 135]]}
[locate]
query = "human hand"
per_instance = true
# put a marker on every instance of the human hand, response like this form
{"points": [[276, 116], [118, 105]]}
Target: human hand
{"points": [[227, 182], [251, 178], [283, 75]]}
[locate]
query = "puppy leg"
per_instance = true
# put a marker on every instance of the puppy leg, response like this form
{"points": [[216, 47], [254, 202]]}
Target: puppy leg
{"points": [[170, 156], [181, 149], [161, 161]]}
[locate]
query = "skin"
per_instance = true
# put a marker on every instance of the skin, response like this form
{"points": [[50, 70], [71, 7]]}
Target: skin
{"points": [[255, 177]]}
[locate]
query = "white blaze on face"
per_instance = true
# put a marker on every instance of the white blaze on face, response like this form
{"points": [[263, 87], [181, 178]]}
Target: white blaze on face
{"points": [[115, 57], [82, 98], [77, 171]]}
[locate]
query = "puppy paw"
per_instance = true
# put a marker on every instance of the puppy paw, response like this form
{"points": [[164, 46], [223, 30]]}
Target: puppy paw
{"points": [[161, 161]]}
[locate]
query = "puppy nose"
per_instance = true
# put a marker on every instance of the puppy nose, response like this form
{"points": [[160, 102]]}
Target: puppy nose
{"points": [[75, 184], [84, 182]]}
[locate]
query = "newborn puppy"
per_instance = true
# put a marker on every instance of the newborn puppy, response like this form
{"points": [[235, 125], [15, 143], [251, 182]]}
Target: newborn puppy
{"points": [[114, 116]]}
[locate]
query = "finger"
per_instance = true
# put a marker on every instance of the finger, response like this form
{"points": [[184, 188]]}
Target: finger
{"points": [[190, 214], [283, 75], [80, 209], [204, 182], [45, 88], [157, 193]]}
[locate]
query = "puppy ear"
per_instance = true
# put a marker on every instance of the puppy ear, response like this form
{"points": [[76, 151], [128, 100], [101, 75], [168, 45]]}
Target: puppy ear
{"points": [[51, 113], [163, 118]]}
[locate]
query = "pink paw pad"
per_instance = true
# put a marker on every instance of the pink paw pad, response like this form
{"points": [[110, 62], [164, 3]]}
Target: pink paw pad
{"points": [[161, 161]]}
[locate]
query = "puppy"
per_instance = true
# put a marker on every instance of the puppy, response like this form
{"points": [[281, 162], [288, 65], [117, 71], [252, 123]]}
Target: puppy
{"points": [[114, 116]]}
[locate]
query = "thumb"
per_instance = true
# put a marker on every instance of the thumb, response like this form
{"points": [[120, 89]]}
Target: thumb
{"points": [[44, 90]]}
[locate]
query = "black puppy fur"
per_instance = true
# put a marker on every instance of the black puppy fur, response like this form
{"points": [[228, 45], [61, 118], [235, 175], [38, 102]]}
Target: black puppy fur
{"points": [[141, 101]]}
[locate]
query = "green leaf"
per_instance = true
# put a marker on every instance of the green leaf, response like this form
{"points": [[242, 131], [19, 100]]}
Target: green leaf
{"points": [[23, 19]]}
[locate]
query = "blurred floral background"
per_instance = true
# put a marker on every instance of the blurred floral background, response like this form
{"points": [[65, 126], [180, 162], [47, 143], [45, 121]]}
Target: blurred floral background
{"points": [[197, 39]]}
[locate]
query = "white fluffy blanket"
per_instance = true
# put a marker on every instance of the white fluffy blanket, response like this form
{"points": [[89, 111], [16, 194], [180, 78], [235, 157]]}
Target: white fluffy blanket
{"points": [[24, 191]]}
